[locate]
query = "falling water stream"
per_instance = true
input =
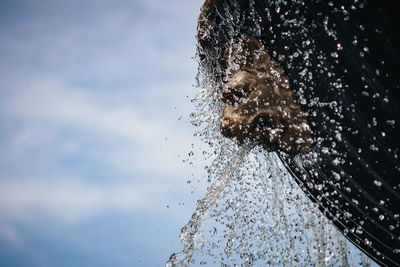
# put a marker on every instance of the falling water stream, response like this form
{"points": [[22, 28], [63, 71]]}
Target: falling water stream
{"points": [[190, 230], [254, 214]]}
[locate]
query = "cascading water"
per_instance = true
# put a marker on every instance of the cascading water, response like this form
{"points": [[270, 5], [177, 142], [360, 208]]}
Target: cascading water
{"points": [[254, 213], [191, 229]]}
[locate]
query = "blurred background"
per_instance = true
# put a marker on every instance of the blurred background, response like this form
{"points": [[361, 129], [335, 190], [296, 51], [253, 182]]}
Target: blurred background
{"points": [[98, 163]]}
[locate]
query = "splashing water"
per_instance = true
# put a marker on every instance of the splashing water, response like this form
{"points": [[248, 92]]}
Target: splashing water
{"points": [[254, 214], [190, 230]]}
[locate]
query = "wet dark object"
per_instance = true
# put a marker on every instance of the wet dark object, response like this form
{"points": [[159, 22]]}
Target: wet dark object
{"points": [[342, 59]]}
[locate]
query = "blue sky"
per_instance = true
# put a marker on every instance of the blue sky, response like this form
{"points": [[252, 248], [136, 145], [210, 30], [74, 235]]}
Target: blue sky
{"points": [[94, 105]]}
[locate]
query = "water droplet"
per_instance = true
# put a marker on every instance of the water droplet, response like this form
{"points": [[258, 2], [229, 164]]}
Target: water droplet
{"points": [[390, 122], [373, 148], [377, 183], [364, 93]]}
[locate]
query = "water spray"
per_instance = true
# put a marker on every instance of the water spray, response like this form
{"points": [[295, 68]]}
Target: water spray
{"points": [[308, 93]]}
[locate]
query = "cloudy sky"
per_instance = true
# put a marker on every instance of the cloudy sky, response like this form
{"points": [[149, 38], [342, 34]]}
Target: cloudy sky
{"points": [[94, 104]]}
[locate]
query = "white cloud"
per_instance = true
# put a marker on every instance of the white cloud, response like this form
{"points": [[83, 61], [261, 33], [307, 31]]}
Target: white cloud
{"points": [[45, 100], [67, 200], [135, 136], [144, 61], [113, 42]]}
